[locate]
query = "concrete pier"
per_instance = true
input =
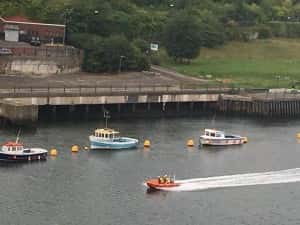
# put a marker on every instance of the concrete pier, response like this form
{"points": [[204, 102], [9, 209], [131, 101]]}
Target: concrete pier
{"points": [[24, 105], [18, 113], [287, 105]]}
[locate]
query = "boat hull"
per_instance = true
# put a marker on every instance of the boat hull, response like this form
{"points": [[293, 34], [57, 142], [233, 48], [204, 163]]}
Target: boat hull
{"points": [[154, 184], [221, 141], [26, 157], [117, 144]]}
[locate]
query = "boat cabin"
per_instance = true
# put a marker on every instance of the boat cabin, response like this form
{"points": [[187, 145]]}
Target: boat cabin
{"points": [[12, 147], [214, 133], [106, 133]]}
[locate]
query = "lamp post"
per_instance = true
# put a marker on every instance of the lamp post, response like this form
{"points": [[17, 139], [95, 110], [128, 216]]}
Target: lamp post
{"points": [[278, 78], [120, 63]]}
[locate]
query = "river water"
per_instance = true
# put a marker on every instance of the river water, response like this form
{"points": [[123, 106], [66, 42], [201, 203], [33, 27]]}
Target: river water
{"points": [[105, 187]]}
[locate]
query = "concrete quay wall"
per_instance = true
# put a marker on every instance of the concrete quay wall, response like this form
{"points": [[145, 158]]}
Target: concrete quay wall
{"points": [[19, 114], [121, 99], [26, 110]]}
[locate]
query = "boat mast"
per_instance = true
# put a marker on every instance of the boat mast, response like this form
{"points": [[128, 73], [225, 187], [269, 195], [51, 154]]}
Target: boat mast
{"points": [[106, 116], [18, 135]]}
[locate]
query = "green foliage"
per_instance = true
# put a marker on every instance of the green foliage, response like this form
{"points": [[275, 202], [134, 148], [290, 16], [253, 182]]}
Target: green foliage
{"points": [[285, 29], [251, 64], [182, 37], [113, 53], [94, 24], [212, 31], [264, 31]]}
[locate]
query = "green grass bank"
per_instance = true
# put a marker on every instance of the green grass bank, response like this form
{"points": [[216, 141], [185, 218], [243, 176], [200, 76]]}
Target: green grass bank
{"points": [[269, 63]]}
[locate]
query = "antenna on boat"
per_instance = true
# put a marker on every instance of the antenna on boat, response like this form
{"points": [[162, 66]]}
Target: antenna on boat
{"points": [[106, 116], [18, 135]]}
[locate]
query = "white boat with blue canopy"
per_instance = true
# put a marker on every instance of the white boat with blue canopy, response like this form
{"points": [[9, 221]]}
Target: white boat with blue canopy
{"points": [[216, 137], [107, 138]]}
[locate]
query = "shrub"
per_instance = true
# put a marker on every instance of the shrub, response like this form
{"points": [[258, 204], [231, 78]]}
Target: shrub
{"points": [[108, 54], [264, 31]]}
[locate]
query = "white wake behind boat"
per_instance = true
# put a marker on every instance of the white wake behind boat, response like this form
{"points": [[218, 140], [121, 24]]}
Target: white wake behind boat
{"points": [[219, 138]]}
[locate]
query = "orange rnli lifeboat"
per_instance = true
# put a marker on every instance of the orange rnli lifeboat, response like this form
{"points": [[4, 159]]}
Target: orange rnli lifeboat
{"points": [[161, 182]]}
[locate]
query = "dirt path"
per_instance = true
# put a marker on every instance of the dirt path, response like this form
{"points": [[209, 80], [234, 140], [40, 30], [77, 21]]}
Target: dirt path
{"points": [[173, 75]]}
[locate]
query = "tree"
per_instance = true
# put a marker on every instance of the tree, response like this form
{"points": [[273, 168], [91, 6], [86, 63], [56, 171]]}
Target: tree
{"points": [[104, 54], [212, 31], [182, 37]]}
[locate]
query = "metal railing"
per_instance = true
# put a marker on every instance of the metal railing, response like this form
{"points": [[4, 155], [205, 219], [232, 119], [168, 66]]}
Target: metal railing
{"points": [[109, 90], [45, 51]]}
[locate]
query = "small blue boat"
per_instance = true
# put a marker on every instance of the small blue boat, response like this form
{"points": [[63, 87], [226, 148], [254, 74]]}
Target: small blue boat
{"points": [[107, 138]]}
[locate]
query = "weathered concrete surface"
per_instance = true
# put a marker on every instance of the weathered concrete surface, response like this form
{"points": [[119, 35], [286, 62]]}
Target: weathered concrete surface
{"points": [[43, 60], [18, 113], [41, 67], [93, 100], [36, 66]]}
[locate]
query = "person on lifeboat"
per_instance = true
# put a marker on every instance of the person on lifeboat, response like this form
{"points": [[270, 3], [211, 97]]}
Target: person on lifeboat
{"points": [[165, 180]]}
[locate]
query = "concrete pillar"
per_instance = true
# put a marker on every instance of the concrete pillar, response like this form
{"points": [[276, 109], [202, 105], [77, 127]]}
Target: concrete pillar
{"points": [[119, 109], [86, 112], [54, 112], [71, 108], [191, 106], [148, 106], [133, 107], [177, 107]]}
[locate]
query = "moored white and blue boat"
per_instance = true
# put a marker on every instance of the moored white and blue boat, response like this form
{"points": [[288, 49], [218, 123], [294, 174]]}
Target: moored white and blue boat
{"points": [[219, 138], [107, 138]]}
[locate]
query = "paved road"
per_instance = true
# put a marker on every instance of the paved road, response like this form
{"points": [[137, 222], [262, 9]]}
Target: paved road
{"points": [[85, 79]]}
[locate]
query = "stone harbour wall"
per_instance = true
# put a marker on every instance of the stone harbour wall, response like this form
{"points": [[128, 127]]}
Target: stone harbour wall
{"points": [[31, 66], [41, 61]]}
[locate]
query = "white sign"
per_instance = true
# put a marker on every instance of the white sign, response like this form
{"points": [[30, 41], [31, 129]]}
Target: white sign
{"points": [[154, 47]]}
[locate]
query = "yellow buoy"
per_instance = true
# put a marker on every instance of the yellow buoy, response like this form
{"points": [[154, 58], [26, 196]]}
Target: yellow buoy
{"points": [[53, 152], [147, 143], [298, 135], [245, 140], [190, 143], [75, 148]]}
